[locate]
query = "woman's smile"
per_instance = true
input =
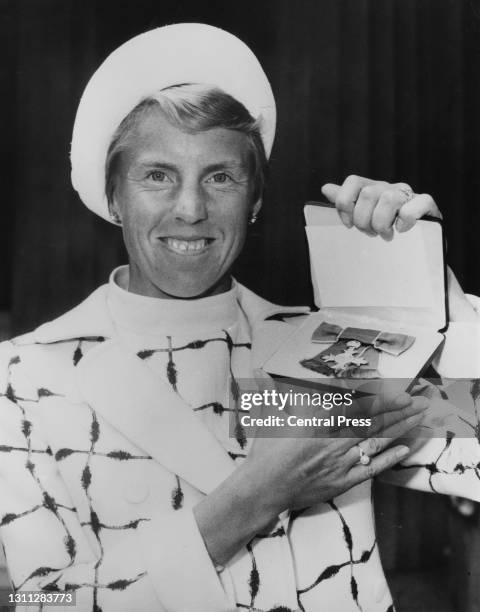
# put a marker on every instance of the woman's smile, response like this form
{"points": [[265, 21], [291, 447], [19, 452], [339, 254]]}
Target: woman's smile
{"points": [[187, 246]]}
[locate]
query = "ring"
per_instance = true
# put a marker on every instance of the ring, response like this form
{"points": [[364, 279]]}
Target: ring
{"points": [[407, 192], [364, 459]]}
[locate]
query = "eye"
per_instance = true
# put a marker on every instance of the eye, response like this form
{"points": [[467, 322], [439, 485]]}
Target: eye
{"points": [[158, 176], [219, 178]]}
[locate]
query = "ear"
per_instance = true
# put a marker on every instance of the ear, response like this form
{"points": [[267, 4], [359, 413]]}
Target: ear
{"points": [[114, 210]]}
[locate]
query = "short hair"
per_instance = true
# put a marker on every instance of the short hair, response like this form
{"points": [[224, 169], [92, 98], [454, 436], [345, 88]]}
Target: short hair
{"points": [[194, 108]]}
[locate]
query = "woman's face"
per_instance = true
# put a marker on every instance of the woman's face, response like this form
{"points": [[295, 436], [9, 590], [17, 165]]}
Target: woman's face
{"points": [[184, 201]]}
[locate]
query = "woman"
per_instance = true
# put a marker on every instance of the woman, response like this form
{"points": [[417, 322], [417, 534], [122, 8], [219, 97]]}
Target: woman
{"points": [[119, 479]]}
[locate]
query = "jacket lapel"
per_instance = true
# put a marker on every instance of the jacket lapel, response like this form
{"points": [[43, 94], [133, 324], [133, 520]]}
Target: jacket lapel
{"points": [[89, 319], [117, 384]]}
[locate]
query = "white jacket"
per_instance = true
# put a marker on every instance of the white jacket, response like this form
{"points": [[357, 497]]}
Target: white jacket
{"points": [[92, 448]]}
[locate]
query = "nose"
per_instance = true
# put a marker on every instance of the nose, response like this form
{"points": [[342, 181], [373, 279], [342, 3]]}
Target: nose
{"points": [[190, 204]]}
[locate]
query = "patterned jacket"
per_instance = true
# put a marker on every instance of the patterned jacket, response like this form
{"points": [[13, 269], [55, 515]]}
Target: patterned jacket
{"points": [[97, 486]]}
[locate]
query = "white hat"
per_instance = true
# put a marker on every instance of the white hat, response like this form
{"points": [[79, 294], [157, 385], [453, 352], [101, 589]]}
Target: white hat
{"points": [[172, 55]]}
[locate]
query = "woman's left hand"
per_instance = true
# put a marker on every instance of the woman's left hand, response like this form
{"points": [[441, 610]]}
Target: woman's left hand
{"points": [[376, 207]]}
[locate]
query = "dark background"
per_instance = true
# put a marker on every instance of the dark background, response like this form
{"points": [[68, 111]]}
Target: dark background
{"points": [[388, 89]]}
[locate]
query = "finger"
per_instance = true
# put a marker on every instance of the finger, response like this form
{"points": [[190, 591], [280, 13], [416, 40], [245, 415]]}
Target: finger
{"points": [[370, 446], [386, 400], [385, 212], [422, 204], [347, 195], [375, 407], [381, 420], [365, 205], [427, 389], [377, 404], [393, 425], [330, 191], [400, 428], [384, 461], [405, 187], [382, 424]]}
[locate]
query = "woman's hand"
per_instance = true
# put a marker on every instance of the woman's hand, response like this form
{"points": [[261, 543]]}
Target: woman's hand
{"points": [[376, 207], [294, 473], [297, 472]]}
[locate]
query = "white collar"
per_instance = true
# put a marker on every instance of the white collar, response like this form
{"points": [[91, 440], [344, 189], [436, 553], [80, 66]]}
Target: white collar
{"points": [[150, 315]]}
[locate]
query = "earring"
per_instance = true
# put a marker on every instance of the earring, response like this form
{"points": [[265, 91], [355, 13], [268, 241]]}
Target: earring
{"points": [[252, 219]]}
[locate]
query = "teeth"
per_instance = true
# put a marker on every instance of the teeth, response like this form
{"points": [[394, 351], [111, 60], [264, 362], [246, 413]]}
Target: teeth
{"points": [[186, 245]]}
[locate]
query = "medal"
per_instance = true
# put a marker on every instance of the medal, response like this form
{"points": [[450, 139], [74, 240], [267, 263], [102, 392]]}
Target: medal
{"points": [[355, 351]]}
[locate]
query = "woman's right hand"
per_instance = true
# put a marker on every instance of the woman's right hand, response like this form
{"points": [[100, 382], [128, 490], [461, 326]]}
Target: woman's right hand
{"points": [[295, 473]]}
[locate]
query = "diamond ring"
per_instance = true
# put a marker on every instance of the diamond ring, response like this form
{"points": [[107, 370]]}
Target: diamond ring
{"points": [[364, 459]]}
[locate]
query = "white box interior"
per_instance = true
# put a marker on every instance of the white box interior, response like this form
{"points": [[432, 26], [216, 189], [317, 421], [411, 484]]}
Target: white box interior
{"points": [[401, 280], [363, 281]]}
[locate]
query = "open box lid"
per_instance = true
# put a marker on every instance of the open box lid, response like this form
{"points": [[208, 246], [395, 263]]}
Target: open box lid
{"points": [[402, 279]]}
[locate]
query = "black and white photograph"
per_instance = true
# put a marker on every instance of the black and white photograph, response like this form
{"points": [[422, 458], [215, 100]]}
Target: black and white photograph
{"points": [[240, 306]]}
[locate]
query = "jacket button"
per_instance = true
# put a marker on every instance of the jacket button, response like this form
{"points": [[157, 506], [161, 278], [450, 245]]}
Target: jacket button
{"points": [[136, 493]]}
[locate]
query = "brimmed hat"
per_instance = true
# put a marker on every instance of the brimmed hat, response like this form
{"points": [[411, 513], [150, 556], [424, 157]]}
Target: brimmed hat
{"points": [[171, 55]]}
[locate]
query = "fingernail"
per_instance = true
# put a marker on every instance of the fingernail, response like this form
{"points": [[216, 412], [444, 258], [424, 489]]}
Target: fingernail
{"points": [[387, 236], [402, 225], [403, 400], [345, 219], [402, 451]]}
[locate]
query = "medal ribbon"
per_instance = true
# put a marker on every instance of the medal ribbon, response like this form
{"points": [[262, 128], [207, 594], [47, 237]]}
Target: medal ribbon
{"points": [[355, 350]]}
